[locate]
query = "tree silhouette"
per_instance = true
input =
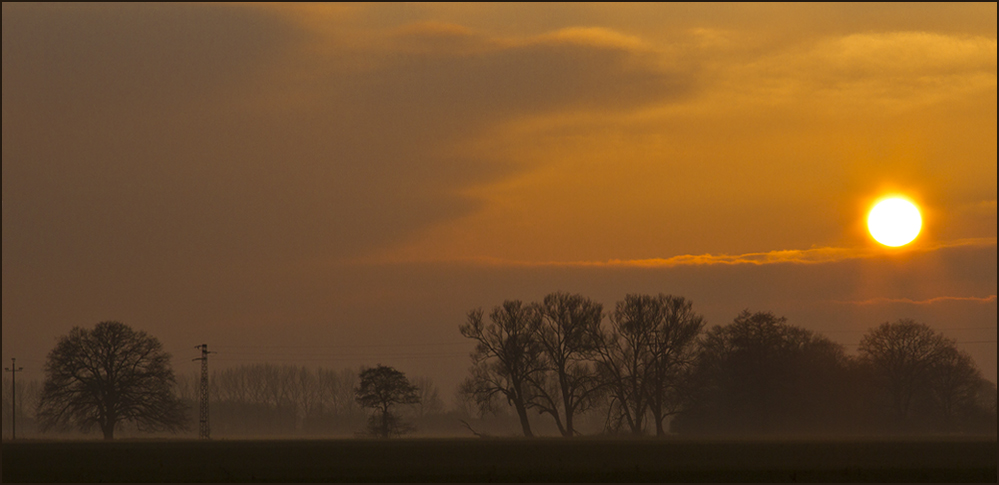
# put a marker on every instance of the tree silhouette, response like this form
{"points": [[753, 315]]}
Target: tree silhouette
{"points": [[566, 332], [623, 360], [920, 370], [107, 376], [902, 354], [760, 375], [381, 388], [506, 358], [954, 384], [673, 347], [644, 357]]}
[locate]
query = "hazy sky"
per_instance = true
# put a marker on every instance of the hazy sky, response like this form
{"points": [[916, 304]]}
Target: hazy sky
{"points": [[339, 185]]}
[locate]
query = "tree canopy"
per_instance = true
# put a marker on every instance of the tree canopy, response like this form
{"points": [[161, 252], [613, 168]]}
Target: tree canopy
{"points": [[920, 372], [507, 356], [643, 358], [566, 330], [382, 388], [761, 375], [107, 376]]}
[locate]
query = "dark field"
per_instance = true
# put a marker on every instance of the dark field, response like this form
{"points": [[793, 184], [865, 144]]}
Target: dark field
{"points": [[502, 460]]}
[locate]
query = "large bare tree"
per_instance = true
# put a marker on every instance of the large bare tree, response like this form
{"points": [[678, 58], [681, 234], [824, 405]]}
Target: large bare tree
{"points": [[568, 324], [507, 356], [624, 361], [673, 348], [107, 376], [644, 355]]}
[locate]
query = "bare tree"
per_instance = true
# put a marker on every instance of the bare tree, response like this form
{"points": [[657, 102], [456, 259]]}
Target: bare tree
{"points": [[108, 376], [645, 357], [927, 379], [430, 401], [381, 388], [28, 392], [270, 398], [673, 347], [186, 385], [625, 358], [954, 384], [566, 332], [902, 355], [507, 356], [343, 384]]}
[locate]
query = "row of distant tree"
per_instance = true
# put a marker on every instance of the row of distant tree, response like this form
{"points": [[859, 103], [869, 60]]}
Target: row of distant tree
{"points": [[562, 364], [649, 364], [260, 399], [248, 400]]}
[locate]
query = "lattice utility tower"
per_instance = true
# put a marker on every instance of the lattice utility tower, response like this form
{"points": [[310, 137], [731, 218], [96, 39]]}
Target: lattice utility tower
{"points": [[14, 369], [204, 431]]}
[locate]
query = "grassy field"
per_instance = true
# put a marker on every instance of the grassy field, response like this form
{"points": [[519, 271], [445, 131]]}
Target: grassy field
{"points": [[502, 460]]}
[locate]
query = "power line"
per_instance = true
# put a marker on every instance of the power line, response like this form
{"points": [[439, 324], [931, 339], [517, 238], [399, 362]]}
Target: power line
{"points": [[339, 346], [289, 358], [348, 353], [859, 331], [958, 342]]}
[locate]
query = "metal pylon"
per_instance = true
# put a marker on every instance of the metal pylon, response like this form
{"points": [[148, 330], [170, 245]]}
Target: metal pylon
{"points": [[204, 430]]}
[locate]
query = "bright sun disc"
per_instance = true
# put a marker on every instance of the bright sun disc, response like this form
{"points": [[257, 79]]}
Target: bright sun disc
{"points": [[894, 222]]}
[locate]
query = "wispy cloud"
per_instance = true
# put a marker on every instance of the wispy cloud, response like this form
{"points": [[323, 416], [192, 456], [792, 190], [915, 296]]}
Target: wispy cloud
{"points": [[930, 301], [792, 256]]}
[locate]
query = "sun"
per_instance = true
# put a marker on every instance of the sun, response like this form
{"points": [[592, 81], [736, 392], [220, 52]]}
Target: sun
{"points": [[894, 221]]}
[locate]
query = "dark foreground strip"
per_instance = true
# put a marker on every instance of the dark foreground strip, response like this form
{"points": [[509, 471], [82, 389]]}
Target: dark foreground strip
{"points": [[502, 460]]}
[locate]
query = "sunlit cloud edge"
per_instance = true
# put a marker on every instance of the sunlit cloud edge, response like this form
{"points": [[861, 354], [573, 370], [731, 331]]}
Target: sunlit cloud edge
{"points": [[928, 301], [791, 256]]}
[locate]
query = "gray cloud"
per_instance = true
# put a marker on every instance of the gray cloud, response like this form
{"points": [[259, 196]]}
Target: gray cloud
{"points": [[142, 139]]}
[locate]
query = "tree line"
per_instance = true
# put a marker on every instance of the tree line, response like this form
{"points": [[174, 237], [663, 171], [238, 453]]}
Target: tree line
{"points": [[649, 365], [261, 400]]}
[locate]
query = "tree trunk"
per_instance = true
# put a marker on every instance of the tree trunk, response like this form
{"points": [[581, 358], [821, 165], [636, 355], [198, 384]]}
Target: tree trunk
{"points": [[656, 407], [660, 432], [637, 422], [558, 421], [522, 412], [568, 432], [108, 429]]}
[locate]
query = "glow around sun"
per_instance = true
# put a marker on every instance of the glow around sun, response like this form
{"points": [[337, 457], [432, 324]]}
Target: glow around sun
{"points": [[894, 221]]}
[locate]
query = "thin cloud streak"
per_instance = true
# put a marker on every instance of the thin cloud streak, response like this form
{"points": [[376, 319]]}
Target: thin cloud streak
{"points": [[930, 301], [792, 256]]}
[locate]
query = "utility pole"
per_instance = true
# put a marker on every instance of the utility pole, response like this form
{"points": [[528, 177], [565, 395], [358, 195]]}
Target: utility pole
{"points": [[204, 431], [13, 369]]}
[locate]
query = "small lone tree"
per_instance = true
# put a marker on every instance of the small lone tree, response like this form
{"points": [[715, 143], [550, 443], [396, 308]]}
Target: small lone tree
{"points": [[381, 388], [107, 376]]}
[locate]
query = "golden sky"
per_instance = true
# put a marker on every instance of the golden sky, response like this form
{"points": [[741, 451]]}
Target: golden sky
{"points": [[314, 174]]}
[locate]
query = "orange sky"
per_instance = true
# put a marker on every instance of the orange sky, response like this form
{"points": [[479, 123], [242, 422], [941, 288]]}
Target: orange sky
{"points": [[325, 179]]}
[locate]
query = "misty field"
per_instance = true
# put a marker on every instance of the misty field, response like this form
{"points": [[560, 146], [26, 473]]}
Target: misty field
{"points": [[502, 460]]}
